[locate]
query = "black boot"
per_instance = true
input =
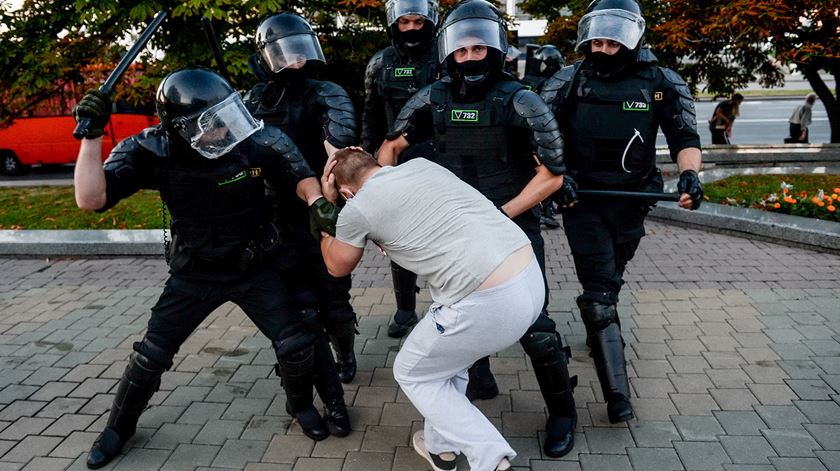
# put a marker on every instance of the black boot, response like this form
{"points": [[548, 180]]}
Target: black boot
{"points": [[550, 367], [343, 337], [139, 382], [604, 335], [405, 290], [330, 390], [296, 371], [482, 383]]}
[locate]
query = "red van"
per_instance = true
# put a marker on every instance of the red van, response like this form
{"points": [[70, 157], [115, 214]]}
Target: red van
{"points": [[49, 140]]}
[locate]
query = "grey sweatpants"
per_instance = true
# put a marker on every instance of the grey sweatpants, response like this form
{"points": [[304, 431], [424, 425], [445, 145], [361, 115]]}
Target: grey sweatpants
{"points": [[431, 367]]}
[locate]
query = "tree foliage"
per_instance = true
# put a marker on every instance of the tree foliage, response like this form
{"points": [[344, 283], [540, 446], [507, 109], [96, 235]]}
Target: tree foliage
{"points": [[728, 43]]}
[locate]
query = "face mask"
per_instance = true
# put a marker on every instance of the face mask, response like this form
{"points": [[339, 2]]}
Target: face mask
{"points": [[473, 72], [607, 65], [412, 38]]}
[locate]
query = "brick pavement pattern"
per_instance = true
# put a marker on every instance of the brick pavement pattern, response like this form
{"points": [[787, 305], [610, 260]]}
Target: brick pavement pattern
{"points": [[733, 349]]}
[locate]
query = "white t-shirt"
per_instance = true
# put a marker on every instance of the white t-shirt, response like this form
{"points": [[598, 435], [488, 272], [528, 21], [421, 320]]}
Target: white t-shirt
{"points": [[430, 222]]}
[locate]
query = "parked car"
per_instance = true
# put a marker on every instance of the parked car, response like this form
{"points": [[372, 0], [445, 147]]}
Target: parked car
{"points": [[48, 140]]}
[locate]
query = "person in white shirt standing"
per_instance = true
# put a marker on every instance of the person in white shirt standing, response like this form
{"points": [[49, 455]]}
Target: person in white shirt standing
{"points": [[800, 120]]}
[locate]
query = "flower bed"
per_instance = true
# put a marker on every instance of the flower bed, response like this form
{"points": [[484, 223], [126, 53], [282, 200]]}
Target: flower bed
{"points": [[812, 196]]}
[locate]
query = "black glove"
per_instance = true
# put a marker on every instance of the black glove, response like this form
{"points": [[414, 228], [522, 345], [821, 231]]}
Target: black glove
{"points": [[95, 106], [690, 183], [567, 195], [322, 217]]}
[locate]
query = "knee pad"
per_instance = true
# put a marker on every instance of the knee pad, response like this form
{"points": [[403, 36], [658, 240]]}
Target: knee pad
{"points": [[543, 347], [342, 328], [543, 324], [299, 362], [294, 341], [151, 356], [596, 315]]}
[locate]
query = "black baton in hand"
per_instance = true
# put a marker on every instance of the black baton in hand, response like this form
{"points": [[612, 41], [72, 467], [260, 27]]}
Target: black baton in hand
{"points": [[108, 87], [634, 195]]}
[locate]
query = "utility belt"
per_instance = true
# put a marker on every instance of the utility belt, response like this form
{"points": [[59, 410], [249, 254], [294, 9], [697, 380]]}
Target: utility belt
{"points": [[231, 260]]}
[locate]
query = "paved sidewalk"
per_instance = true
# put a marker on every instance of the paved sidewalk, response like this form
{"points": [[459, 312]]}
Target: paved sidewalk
{"points": [[732, 346]]}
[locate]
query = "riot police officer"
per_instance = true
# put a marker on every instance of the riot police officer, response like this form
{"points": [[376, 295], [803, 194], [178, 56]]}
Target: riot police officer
{"points": [[320, 118], [609, 107], [392, 76], [208, 158], [486, 128], [542, 64]]}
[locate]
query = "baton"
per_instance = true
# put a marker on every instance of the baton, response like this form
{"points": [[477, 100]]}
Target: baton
{"points": [[635, 195], [108, 87], [212, 40]]}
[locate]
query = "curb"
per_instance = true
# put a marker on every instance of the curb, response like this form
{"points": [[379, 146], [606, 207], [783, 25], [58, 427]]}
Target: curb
{"points": [[814, 234], [82, 242]]}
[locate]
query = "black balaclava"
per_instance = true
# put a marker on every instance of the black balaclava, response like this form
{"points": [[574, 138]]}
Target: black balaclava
{"points": [[474, 78], [414, 41], [608, 66]]}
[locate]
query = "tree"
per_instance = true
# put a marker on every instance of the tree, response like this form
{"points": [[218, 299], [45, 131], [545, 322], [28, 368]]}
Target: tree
{"points": [[727, 44], [48, 48]]}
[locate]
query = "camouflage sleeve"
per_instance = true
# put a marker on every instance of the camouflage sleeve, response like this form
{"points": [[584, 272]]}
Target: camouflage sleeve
{"points": [[374, 126], [338, 117], [676, 113], [532, 113]]}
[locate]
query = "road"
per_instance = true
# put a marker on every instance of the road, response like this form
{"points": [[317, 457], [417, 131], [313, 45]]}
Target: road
{"points": [[761, 122]]}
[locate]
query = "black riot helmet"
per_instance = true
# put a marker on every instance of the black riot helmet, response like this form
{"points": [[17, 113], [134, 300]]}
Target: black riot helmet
{"points": [[286, 41], [549, 60], [614, 20], [197, 107], [472, 23], [412, 39], [617, 20]]}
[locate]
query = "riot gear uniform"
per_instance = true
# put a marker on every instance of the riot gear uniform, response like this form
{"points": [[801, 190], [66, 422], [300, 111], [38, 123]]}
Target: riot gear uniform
{"points": [[209, 159], [392, 76], [309, 112], [542, 64], [610, 115], [486, 127]]}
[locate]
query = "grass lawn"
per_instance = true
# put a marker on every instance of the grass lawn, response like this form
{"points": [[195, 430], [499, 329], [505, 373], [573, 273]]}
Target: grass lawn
{"points": [[53, 207], [765, 192]]}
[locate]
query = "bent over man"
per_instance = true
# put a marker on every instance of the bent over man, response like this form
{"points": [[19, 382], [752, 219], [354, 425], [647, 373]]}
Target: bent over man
{"points": [[486, 293], [209, 159], [503, 140]]}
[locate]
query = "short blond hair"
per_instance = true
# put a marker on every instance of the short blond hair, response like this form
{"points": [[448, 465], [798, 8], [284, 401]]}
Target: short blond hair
{"points": [[351, 164]]}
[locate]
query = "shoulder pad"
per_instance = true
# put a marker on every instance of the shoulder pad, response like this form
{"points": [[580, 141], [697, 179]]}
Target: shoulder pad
{"points": [[540, 120], [340, 119], [272, 140], [509, 88], [646, 56], [418, 101], [154, 140], [553, 85], [375, 63], [673, 80], [123, 155]]}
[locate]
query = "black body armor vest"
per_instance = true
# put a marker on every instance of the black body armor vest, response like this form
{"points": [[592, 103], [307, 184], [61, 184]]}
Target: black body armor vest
{"points": [[611, 138], [472, 141], [402, 77], [219, 214]]}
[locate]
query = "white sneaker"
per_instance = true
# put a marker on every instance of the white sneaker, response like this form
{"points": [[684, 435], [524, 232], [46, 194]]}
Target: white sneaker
{"points": [[442, 462], [503, 465]]}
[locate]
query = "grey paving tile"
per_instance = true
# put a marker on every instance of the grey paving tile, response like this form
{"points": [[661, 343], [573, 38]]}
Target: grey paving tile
{"points": [[782, 416], [701, 455], [828, 436], [188, 456], [654, 459], [141, 459], [791, 443], [747, 449], [798, 464], [605, 462], [820, 412], [814, 389], [235, 453], [829, 459], [697, 428], [608, 440], [740, 422]]}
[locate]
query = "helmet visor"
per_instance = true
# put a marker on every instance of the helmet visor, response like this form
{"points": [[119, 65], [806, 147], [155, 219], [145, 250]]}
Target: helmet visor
{"points": [[618, 25], [292, 50], [220, 128], [471, 32], [428, 9]]}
